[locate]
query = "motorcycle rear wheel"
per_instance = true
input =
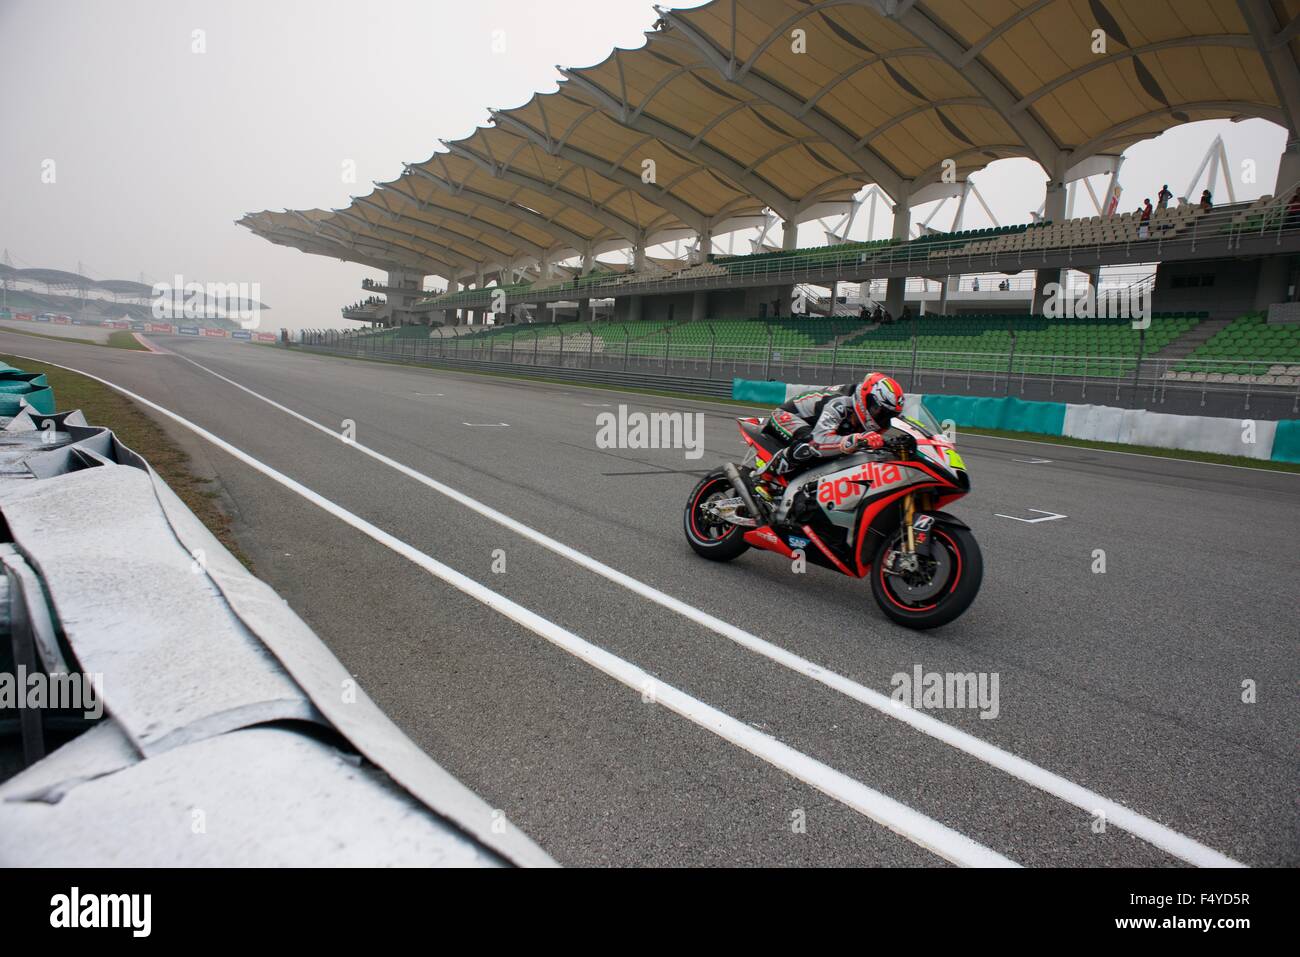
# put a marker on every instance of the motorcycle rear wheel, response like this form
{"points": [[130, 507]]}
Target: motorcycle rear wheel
{"points": [[716, 541]]}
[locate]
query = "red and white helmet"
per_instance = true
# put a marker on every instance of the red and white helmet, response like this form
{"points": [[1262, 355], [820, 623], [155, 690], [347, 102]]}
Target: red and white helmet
{"points": [[878, 400]]}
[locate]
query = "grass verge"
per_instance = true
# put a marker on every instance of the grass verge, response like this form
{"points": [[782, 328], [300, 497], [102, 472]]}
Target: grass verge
{"points": [[119, 339], [1184, 455], [112, 410]]}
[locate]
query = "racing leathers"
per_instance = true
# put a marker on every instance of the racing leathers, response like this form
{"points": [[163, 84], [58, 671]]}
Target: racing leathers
{"points": [[819, 424]]}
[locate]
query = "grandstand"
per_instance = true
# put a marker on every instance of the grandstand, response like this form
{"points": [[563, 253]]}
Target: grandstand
{"points": [[34, 292], [908, 99]]}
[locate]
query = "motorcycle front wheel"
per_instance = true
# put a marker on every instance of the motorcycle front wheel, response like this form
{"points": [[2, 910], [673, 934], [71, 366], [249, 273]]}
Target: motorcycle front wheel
{"points": [[944, 588]]}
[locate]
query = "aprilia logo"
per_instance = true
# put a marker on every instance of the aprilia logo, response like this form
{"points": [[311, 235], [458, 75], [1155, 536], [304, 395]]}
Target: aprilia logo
{"points": [[835, 491]]}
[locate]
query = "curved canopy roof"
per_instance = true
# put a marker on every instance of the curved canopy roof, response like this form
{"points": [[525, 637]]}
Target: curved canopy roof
{"points": [[794, 105], [72, 280]]}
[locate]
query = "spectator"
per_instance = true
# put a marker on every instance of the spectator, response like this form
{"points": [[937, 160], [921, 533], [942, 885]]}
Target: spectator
{"points": [[1144, 223], [1163, 197], [862, 313], [976, 284], [1207, 201]]}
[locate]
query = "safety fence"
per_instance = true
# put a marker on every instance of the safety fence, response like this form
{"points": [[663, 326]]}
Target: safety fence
{"points": [[693, 351]]}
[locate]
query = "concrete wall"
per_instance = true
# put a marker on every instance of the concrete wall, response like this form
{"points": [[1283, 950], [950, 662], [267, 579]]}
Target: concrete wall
{"points": [[1235, 287], [725, 304]]}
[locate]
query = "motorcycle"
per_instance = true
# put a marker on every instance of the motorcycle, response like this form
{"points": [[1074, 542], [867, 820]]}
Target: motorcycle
{"points": [[876, 514]]}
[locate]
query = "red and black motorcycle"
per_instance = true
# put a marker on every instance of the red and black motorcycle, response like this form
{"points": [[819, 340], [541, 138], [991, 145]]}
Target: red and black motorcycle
{"points": [[875, 514]]}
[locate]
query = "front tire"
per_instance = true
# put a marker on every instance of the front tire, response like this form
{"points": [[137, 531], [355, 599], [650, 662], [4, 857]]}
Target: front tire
{"points": [[932, 603], [716, 541]]}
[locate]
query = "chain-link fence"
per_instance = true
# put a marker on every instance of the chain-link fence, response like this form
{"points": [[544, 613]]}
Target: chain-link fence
{"points": [[691, 350]]}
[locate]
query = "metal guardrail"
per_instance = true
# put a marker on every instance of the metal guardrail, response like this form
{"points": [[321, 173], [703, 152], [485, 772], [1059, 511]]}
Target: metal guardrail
{"points": [[228, 734]]}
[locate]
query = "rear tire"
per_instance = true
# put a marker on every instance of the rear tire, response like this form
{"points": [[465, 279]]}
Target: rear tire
{"points": [[965, 570], [718, 542]]}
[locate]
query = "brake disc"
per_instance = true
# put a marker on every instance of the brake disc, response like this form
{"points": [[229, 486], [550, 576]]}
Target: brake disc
{"points": [[916, 589]]}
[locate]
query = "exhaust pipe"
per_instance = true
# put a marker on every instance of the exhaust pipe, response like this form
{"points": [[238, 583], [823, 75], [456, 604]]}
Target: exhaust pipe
{"points": [[742, 489]]}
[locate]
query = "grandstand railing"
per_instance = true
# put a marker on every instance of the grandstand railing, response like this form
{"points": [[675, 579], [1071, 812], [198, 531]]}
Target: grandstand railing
{"points": [[594, 346], [1240, 228]]}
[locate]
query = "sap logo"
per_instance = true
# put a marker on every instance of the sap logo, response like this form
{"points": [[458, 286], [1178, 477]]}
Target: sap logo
{"points": [[835, 491], [796, 541]]}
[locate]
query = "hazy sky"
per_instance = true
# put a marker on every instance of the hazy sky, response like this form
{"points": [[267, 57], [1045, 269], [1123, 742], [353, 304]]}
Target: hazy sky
{"points": [[158, 149]]}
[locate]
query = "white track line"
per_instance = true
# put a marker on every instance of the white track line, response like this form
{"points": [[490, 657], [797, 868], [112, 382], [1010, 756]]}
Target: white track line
{"points": [[903, 820], [1179, 845]]}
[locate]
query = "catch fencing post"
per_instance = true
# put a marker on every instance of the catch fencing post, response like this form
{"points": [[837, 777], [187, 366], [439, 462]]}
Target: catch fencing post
{"points": [[1137, 370], [1011, 361], [913, 378]]}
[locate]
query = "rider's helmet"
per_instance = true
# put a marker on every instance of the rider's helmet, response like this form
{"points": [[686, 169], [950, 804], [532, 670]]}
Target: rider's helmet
{"points": [[877, 400]]}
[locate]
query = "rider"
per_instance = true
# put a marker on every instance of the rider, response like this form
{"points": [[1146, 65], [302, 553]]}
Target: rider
{"points": [[831, 421]]}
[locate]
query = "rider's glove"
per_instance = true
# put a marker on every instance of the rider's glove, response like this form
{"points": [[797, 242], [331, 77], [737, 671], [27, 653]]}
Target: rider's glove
{"points": [[869, 439]]}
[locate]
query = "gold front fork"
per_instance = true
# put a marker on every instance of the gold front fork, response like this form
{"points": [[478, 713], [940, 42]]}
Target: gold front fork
{"points": [[909, 514]]}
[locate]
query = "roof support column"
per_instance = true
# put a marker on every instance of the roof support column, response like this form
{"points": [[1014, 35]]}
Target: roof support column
{"points": [[1053, 212], [705, 247], [479, 314], [896, 288], [1288, 170], [789, 242], [452, 316]]}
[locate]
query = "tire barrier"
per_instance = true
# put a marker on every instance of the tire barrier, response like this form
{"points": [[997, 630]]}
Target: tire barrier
{"points": [[205, 682], [19, 388]]}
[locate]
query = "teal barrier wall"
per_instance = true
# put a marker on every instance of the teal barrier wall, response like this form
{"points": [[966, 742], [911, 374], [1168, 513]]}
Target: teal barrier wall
{"points": [[1006, 412], [750, 390], [1286, 443]]}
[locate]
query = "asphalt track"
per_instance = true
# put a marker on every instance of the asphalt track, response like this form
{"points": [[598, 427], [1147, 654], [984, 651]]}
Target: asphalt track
{"points": [[1127, 683]]}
